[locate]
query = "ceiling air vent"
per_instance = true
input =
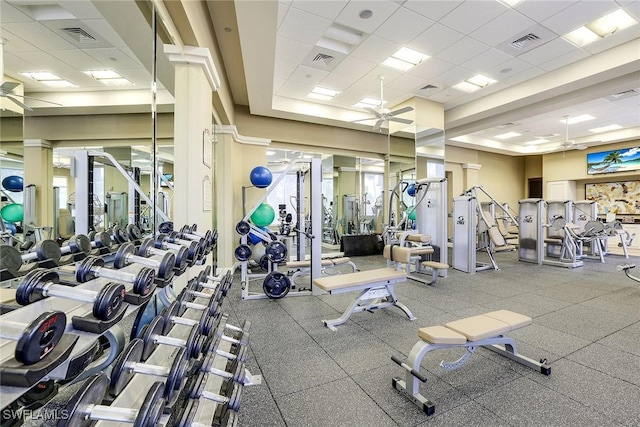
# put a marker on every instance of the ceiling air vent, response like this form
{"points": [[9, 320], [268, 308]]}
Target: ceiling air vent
{"points": [[524, 40], [428, 87], [79, 35], [323, 59], [624, 94]]}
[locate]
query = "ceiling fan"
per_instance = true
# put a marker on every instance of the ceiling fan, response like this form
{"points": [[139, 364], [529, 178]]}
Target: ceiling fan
{"points": [[569, 144], [6, 88], [382, 114]]}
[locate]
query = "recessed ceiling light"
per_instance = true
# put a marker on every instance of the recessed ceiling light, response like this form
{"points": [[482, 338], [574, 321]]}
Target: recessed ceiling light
{"points": [[42, 75], [536, 141], [368, 102], [600, 28], [322, 93], [466, 87], [508, 135], [102, 74], [405, 58], [474, 83], [116, 82], [605, 128], [581, 36], [320, 96], [57, 83], [578, 119]]}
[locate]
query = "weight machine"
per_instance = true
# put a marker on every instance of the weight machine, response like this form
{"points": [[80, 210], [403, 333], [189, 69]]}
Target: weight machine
{"points": [[476, 228], [276, 284]]}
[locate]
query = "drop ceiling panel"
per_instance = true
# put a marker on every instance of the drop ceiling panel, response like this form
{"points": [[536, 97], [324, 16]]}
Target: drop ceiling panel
{"points": [[375, 49], [14, 65], [381, 12], [403, 26], [303, 26], [295, 90], [432, 9], [446, 95], [81, 9], [489, 59], [431, 68], [462, 50], [291, 50], [471, 15], [579, 14], [337, 81], [9, 14], [39, 36], [113, 58], [503, 28], [547, 52], [632, 8], [283, 69], [615, 39], [436, 38], [501, 72], [564, 60], [527, 74], [104, 30], [283, 8], [325, 9], [78, 59], [354, 67], [16, 44], [454, 76], [408, 83], [388, 73], [541, 10], [307, 75], [139, 76]]}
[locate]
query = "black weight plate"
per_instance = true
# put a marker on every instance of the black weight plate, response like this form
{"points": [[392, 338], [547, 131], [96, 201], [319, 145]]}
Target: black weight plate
{"points": [[160, 238], [198, 386], [276, 251], [79, 244], [40, 337], [243, 252], [144, 284], [177, 373], [188, 413], [166, 227], [10, 258], [92, 234], [182, 257], [168, 261], [229, 419], [152, 407], [276, 285], [264, 262], [192, 348], [84, 272], [134, 232], [148, 334], [109, 300], [124, 250], [234, 399], [243, 228], [30, 288], [90, 393], [121, 374], [206, 272], [118, 234], [145, 245], [102, 240], [169, 312], [48, 250]]}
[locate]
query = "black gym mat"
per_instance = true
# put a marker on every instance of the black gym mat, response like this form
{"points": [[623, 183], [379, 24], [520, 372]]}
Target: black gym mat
{"points": [[361, 245]]}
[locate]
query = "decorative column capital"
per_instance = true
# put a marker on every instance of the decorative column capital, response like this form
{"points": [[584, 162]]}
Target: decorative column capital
{"points": [[195, 55]]}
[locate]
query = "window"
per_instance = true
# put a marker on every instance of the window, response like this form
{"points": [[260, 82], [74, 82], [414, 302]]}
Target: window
{"points": [[61, 183]]}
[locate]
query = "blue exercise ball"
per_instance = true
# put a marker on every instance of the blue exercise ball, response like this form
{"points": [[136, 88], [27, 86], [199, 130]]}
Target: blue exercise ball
{"points": [[254, 238], [261, 177], [411, 190], [13, 183], [11, 228]]}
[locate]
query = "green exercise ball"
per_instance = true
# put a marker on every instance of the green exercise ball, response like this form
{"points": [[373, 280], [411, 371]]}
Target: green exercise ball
{"points": [[263, 216], [13, 212], [412, 215]]}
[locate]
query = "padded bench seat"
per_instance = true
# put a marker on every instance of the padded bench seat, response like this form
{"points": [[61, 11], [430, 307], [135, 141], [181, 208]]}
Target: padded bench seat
{"points": [[359, 279], [475, 328]]}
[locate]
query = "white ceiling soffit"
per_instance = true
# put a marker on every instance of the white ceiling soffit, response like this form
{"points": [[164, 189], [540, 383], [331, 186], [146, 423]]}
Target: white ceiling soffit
{"points": [[537, 71]]}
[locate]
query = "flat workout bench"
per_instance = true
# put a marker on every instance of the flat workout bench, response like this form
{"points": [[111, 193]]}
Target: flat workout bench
{"points": [[486, 330], [376, 288]]}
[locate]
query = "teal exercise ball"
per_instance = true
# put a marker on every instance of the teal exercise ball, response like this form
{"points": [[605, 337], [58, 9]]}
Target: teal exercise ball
{"points": [[263, 216], [13, 183], [261, 177], [412, 215], [13, 212]]}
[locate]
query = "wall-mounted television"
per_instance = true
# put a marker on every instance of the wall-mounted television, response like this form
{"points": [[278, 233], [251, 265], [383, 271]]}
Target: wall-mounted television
{"points": [[623, 160]]}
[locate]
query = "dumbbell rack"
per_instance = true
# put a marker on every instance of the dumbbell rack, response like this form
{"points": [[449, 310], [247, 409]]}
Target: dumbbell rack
{"points": [[133, 394]]}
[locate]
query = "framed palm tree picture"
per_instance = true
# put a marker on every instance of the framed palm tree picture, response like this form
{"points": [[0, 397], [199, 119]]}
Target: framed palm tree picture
{"points": [[623, 160]]}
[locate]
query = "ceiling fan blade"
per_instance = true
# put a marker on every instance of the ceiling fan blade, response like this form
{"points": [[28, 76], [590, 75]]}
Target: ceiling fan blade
{"points": [[9, 86], [15, 101], [378, 124], [363, 120], [401, 111], [400, 120], [372, 111], [37, 99]]}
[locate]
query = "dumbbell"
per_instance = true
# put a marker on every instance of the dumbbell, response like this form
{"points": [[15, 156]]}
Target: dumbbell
{"points": [[128, 364], [193, 250], [126, 255], [118, 234], [76, 244], [171, 316], [231, 397], [101, 240], [151, 336], [92, 267], [174, 237], [185, 298], [213, 346], [229, 418], [41, 283], [147, 249], [212, 234], [235, 370], [134, 232], [36, 339], [193, 285], [84, 407], [45, 250], [221, 284], [205, 240], [219, 325]]}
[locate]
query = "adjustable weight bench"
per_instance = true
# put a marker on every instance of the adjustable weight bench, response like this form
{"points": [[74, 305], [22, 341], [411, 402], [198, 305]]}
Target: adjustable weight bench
{"points": [[376, 291], [486, 330], [412, 255]]}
